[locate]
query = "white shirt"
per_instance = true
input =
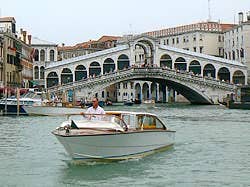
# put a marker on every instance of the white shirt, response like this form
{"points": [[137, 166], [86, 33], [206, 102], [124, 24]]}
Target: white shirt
{"points": [[98, 110]]}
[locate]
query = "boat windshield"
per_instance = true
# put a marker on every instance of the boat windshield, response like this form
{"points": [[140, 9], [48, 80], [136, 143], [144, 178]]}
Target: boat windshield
{"points": [[101, 121], [32, 95]]}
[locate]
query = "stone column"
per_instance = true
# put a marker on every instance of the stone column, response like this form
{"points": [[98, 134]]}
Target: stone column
{"points": [[171, 97], [157, 92], [141, 96], [164, 93], [149, 91]]}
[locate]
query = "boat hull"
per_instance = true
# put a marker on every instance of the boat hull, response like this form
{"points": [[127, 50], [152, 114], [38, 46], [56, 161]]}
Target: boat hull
{"points": [[50, 110], [12, 109], [239, 105], [116, 146]]}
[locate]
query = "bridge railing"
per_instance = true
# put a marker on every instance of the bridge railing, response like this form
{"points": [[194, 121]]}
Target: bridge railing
{"points": [[145, 70]]}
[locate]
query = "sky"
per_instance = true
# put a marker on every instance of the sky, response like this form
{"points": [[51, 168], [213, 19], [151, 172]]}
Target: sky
{"points": [[76, 21]]}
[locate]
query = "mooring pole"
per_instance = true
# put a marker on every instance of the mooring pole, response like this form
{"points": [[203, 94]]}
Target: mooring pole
{"points": [[18, 100]]}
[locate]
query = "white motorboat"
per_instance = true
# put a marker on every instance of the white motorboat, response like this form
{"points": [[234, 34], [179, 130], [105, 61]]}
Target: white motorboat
{"points": [[149, 102], [10, 106], [114, 136], [43, 110]]}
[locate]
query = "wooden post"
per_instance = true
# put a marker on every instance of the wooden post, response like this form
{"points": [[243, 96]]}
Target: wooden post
{"points": [[6, 96], [18, 101]]}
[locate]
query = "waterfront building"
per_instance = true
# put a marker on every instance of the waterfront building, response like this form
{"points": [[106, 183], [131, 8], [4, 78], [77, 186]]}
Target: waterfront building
{"points": [[15, 56], [237, 42], [44, 53], [84, 48], [203, 37]]}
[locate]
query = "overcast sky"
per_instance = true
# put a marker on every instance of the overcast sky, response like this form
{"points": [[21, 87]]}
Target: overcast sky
{"points": [[74, 21]]}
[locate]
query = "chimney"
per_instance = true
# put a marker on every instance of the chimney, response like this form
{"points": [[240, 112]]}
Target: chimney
{"points": [[248, 16], [240, 17], [29, 38], [24, 36]]}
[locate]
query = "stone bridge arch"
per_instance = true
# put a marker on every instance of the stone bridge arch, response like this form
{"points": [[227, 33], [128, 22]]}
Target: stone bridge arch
{"points": [[197, 91], [148, 45]]}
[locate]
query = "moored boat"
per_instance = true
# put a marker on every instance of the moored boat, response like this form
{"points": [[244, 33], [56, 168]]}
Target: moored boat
{"points": [[128, 103], [239, 100], [10, 106], [50, 110], [149, 102], [114, 136]]}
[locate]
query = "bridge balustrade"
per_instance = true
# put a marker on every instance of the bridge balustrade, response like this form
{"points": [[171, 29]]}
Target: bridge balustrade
{"points": [[131, 71]]}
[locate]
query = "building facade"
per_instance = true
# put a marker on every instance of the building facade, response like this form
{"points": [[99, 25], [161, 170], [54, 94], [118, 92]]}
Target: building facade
{"points": [[15, 55], [237, 42], [204, 37], [91, 46], [44, 52]]}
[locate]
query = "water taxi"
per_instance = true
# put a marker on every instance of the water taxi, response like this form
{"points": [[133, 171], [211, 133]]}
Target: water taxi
{"points": [[117, 135]]}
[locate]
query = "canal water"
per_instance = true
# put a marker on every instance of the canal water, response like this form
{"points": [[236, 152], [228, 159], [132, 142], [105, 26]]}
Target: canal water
{"points": [[212, 149]]}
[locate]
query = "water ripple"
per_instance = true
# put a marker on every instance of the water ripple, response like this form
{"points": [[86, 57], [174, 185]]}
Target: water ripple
{"points": [[212, 149]]}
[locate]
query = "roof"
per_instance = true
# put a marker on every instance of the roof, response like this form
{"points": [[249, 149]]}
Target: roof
{"points": [[87, 44], [108, 38], [88, 56], [201, 55], [7, 19], [226, 27], [200, 26], [84, 45], [37, 41]]}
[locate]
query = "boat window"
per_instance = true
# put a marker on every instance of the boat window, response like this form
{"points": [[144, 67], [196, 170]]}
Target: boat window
{"points": [[149, 122], [159, 124], [120, 122], [126, 119], [129, 120]]}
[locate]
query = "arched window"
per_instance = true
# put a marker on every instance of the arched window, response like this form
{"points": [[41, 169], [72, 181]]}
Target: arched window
{"points": [[80, 73], [233, 55], [209, 71], [224, 74], [52, 79], [123, 62], [138, 95], [66, 76], [42, 55], [145, 91], [36, 72], [195, 67], [108, 65], [238, 77], [180, 64], [41, 72], [36, 55], [94, 69], [52, 55], [166, 61]]}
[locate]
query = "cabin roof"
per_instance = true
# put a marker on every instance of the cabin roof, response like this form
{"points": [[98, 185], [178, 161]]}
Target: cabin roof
{"points": [[128, 112]]}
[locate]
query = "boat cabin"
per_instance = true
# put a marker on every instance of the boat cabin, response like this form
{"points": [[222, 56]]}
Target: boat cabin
{"points": [[135, 120]]}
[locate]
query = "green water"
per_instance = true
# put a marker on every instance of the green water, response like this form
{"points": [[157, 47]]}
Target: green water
{"points": [[212, 149]]}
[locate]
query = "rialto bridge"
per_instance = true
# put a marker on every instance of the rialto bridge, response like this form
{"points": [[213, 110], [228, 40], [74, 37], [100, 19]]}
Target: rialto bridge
{"points": [[198, 77]]}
